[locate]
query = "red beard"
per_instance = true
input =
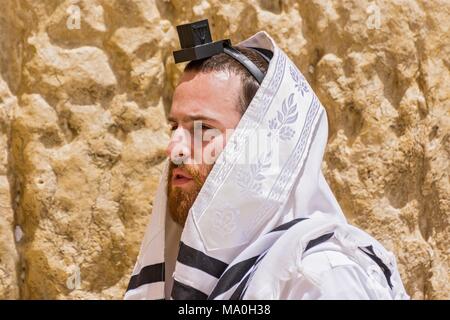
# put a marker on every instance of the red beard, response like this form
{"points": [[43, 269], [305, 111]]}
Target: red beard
{"points": [[180, 200]]}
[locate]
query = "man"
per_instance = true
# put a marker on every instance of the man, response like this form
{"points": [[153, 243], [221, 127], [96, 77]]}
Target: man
{"points": [[231, 221]]}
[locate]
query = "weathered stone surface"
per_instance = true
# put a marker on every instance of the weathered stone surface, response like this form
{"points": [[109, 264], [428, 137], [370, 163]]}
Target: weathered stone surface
{"points": [[8, 253], [83, 130]]}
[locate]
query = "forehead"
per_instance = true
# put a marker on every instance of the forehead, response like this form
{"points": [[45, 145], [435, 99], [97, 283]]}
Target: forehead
{"points": [[213, 94]]}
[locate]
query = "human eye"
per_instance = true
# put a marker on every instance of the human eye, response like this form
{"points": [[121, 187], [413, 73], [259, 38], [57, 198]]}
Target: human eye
{"points": [[173, 126], [206, 127], [199, 125]]}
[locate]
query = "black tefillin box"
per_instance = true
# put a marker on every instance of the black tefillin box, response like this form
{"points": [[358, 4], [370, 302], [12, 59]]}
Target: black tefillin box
{"points": [[196, 42]]}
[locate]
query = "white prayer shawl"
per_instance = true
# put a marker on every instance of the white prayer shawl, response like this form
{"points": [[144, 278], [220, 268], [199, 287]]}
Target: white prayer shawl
{"points": [[268, 227]]}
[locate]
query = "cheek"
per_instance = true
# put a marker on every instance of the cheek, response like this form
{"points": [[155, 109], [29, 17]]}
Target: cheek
{"points": [[212, 149]]}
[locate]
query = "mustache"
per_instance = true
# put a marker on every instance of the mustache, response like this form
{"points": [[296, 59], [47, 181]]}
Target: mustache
{"points": [[189, 169], [196, 173]]}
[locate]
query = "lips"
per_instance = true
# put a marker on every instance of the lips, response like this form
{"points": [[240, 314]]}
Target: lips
{"points": [[180, 177]]}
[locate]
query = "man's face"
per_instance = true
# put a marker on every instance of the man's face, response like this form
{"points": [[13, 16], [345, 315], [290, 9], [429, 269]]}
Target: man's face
{"points": [[204, 106]]}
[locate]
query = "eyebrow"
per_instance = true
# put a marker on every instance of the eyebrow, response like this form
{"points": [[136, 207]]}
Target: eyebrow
{"points": [[192, 118]]}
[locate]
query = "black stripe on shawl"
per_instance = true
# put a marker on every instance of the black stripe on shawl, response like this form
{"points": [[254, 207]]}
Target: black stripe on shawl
{"points": [[232, 276], [287, 225], [239, 292], [380, 263], [199, 260], [235, 274], [181, 291], [149, 274], [319, 240]]}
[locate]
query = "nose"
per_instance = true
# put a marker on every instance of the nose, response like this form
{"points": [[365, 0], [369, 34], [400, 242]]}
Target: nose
{"points": [[178, 149]]}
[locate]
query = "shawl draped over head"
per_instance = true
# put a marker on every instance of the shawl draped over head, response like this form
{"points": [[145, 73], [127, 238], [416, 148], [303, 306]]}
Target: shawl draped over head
{"points": [[267, 226]]}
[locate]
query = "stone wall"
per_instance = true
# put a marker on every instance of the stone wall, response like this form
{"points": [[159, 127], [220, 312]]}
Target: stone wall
{"points": [[84, 91]]}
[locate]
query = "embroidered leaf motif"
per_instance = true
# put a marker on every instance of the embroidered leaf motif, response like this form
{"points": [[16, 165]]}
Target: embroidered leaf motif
{"points": [[299, 79], [251, 180], [291, 99], [284, 108], [225, 220], [259, 177], [293, 114], [292, 118], [243, 178], [286, 133], [287, 115], [273, 124], [280, 116]]}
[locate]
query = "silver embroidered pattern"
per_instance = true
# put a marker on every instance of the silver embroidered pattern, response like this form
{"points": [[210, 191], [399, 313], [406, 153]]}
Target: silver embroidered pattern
{"points": [[291, 166], [251, 180], [299, 79], [220, 171], [288, 115], [225, 220]]}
